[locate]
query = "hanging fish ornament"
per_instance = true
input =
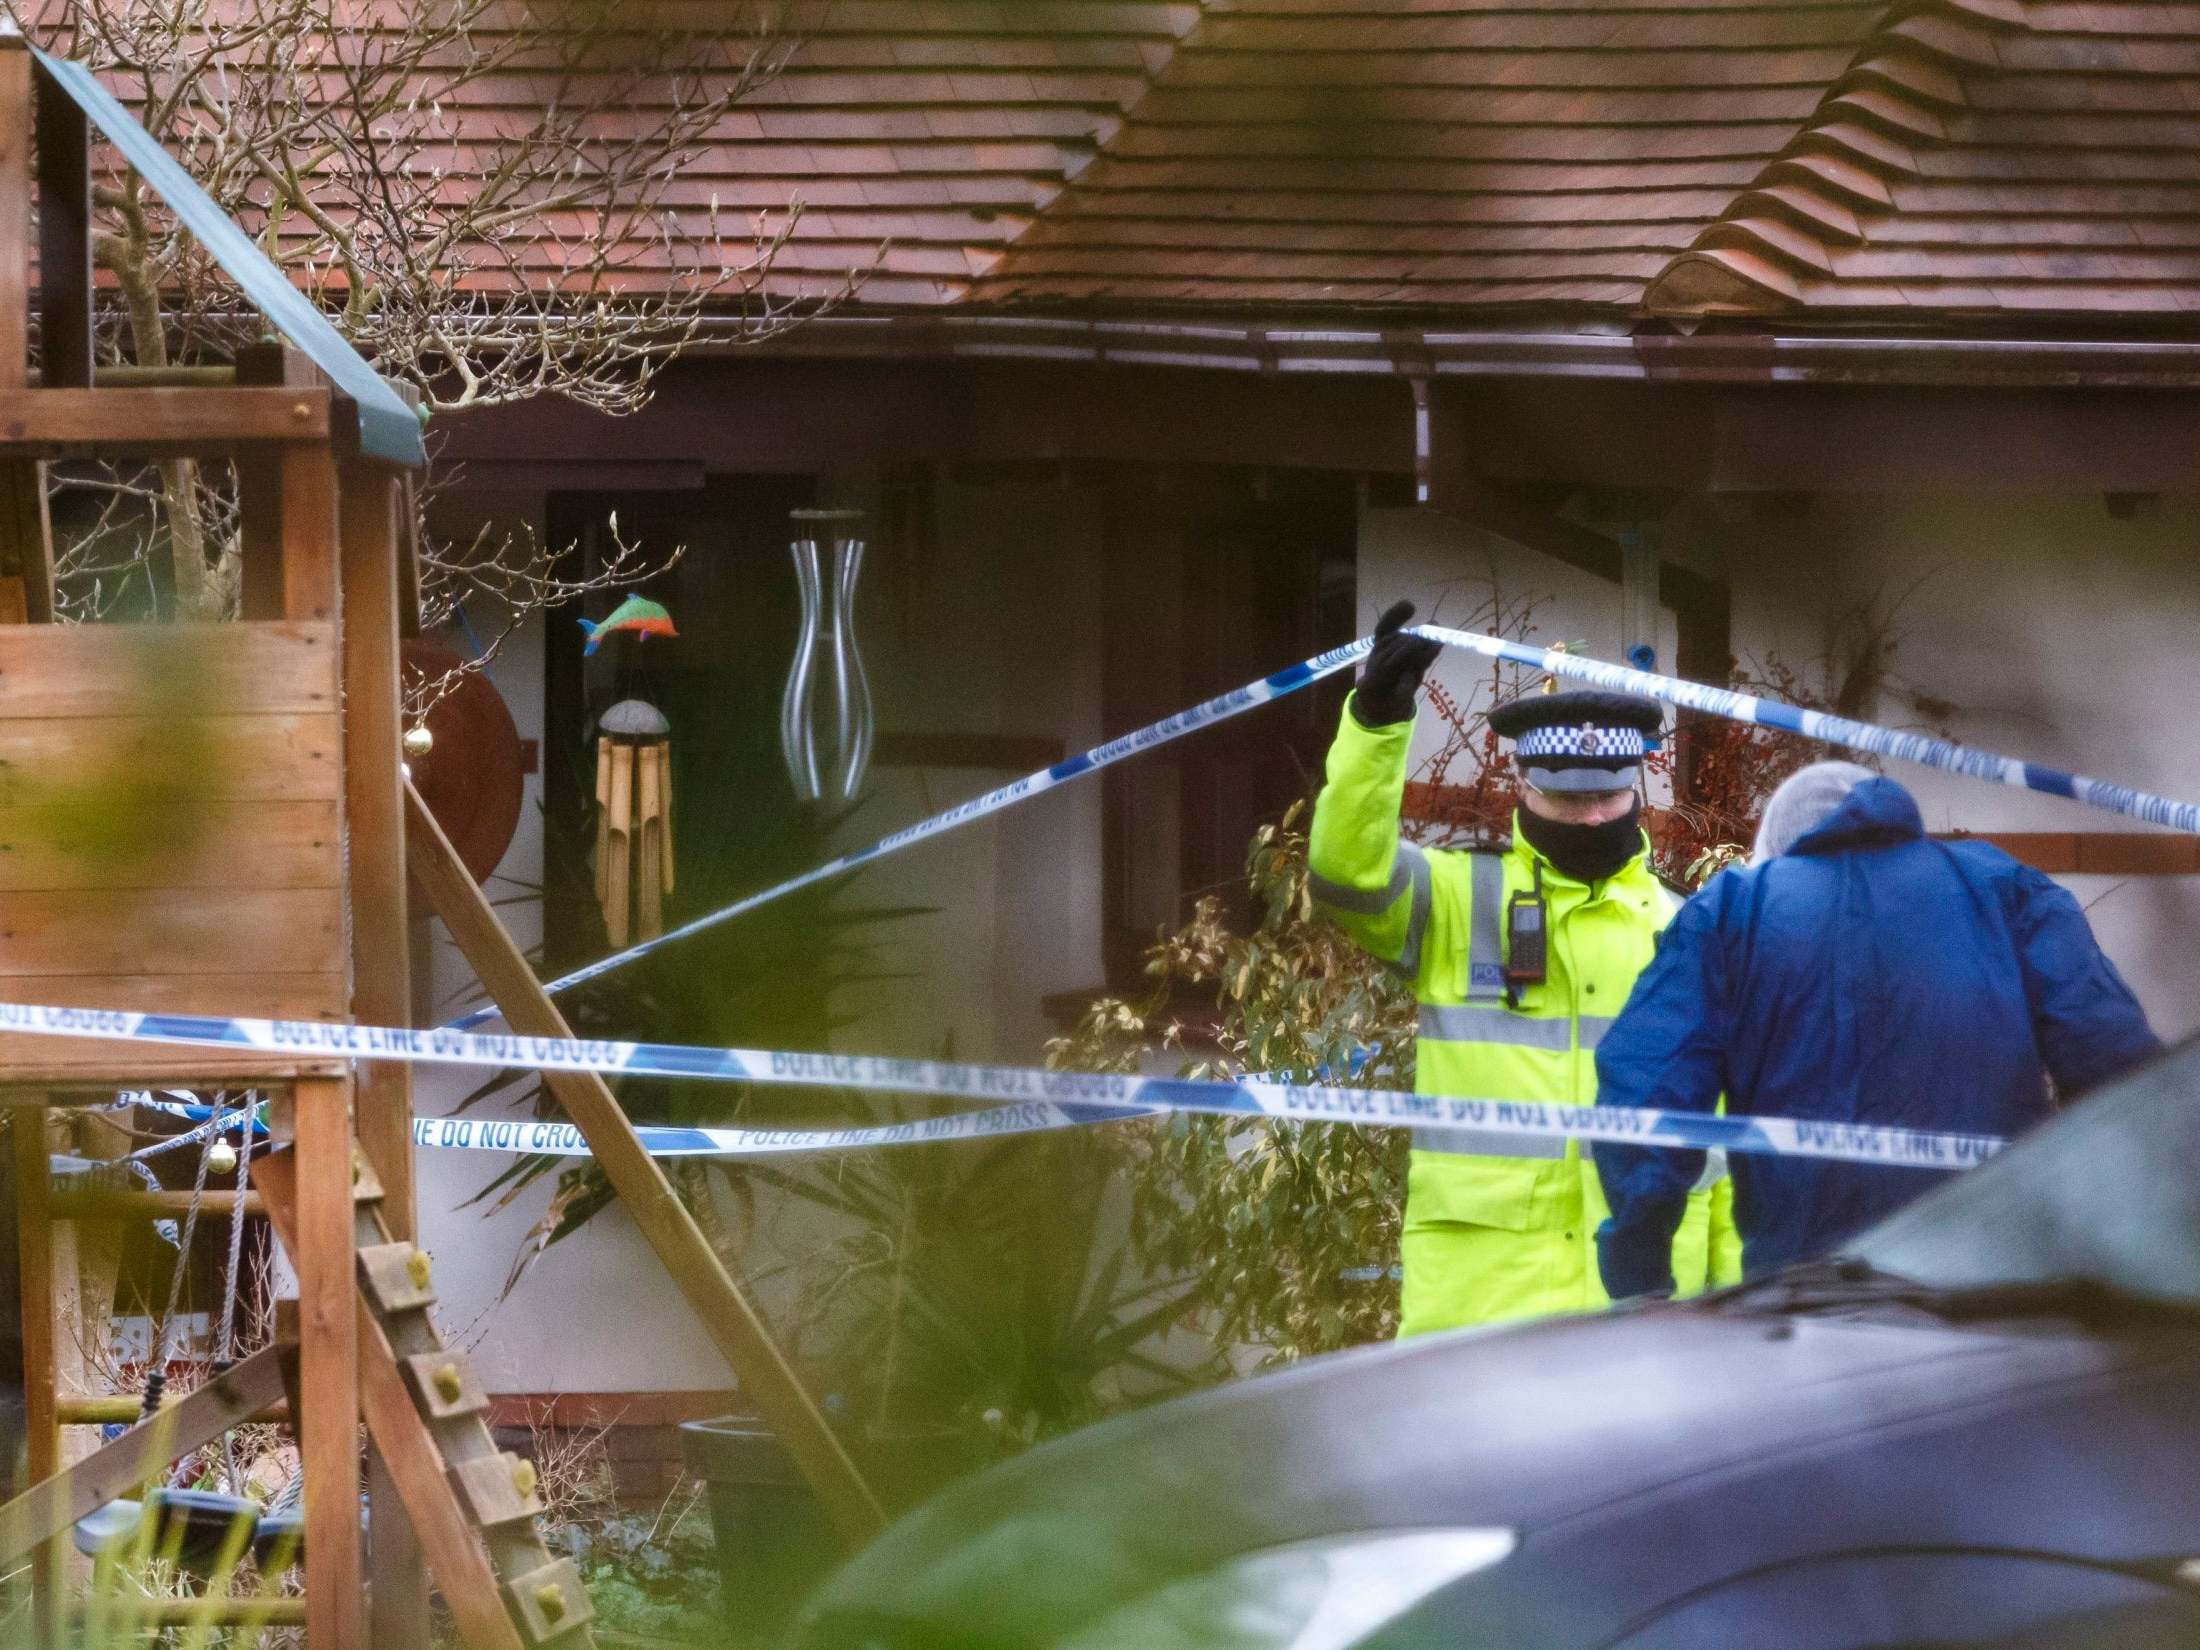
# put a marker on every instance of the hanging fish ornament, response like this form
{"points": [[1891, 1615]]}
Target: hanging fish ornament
{"points": [[637, 613]]}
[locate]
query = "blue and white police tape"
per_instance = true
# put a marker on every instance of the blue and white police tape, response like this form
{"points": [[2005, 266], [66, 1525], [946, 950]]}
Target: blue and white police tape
{"points": [[532, 1135], [1830, 729], [1204, 715], [483, 1134], [999, 1086], [1723, 702]]}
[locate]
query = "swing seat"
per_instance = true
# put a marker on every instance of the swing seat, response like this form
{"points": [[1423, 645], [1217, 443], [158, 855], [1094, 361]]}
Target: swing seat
{"points": [[195, 1526], [280, 1539]]}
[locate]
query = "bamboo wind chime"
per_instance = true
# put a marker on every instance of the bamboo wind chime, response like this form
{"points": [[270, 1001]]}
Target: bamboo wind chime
{"points": [[633, 820]]}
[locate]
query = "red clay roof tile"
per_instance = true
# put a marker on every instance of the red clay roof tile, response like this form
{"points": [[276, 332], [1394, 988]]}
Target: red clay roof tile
{"points": [[1559, 158]]}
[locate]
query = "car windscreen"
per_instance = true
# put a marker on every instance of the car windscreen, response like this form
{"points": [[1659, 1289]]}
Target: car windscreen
{"points": [[2108, 1192]]}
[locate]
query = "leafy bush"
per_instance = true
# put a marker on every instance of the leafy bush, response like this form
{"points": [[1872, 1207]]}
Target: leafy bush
{"points": [[1287, 1232]]}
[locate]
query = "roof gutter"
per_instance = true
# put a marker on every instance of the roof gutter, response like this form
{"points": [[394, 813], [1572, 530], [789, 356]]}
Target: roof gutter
{"points": [[1707, 358]]}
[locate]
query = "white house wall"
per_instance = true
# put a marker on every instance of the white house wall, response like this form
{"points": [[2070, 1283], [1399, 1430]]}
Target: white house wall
{"points": [[998, 634], [2058, 633]]}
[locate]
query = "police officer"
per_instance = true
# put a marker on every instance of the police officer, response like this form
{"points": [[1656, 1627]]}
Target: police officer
{"points": [[1520, 960]]}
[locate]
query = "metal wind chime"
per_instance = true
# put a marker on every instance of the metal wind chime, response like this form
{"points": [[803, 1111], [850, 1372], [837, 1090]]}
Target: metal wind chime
{"points": [[825, 717]]}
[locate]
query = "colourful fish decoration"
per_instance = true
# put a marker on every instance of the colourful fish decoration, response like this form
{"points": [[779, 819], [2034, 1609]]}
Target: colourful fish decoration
{"points": [[636, 613]]}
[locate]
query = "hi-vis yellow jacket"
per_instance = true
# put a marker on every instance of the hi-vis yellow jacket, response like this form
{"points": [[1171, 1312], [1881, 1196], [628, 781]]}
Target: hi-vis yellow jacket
{"points": [[1497, 1227]]}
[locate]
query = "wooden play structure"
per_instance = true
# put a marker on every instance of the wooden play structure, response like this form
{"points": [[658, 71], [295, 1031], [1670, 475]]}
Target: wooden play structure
{"points": [[213, 819]]}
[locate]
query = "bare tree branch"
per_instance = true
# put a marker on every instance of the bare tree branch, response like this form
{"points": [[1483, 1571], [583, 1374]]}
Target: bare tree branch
{"points": [[550, 253]]}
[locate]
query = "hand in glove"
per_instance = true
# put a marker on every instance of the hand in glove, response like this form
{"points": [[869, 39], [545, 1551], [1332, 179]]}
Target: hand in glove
{"points": [[1392, 675]]}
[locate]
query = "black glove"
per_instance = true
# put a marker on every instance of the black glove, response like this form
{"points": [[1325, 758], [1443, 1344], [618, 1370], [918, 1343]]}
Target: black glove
{"points": [[1392, 675]]}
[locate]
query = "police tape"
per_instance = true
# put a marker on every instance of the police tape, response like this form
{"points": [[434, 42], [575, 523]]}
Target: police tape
{"points": [[543, 1138], [547, 1139], [1204, 715], [1004, 1088], [1722, 702], [1831, 730]]}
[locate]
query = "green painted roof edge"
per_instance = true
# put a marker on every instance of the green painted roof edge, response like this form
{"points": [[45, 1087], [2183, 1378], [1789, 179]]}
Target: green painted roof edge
{"points": [[388, 429]]}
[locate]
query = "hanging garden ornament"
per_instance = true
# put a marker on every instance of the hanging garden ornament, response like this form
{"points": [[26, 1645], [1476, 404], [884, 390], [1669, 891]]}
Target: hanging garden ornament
{"points": [[633, 819], [637, 614], [473, 774], [839, 705]]}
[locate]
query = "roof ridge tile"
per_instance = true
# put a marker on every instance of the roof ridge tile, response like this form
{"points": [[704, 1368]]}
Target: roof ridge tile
{"points": [[1903, 86], [1867, 146], [1886, 103], [1809, 208], [1958, 39], [1776, 236], [1953, 110]]}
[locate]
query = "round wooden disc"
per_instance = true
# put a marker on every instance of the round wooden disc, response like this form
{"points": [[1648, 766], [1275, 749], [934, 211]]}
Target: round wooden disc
{"points": [[472, 778]]}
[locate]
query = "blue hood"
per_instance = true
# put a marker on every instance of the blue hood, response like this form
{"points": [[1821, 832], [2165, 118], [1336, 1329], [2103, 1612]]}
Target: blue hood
{"points": [[1877, 811]]}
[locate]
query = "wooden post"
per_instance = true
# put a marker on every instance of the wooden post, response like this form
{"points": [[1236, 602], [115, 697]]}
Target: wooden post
{"points": [[309, 534], [259, 535], [328, 1357], [26, 544], [381, 991], [64, 239], [15, 206], [41, 1423], [87, 1259], [663, 1220], [260, 485], [374, 811]]}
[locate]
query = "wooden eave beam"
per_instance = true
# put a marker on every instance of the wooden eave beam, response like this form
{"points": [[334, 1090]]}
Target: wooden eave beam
{"points": [[157, 422]]}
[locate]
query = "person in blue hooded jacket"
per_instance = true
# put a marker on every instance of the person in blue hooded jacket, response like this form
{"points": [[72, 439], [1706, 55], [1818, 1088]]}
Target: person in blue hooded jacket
{"points": [[1854, 971]]}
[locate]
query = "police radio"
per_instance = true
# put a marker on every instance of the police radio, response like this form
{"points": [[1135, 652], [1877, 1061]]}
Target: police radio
{"points": [[1527, 941]]}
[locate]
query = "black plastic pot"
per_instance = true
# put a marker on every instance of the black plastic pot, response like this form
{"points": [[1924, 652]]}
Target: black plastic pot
{"points": [[775, 1544]]}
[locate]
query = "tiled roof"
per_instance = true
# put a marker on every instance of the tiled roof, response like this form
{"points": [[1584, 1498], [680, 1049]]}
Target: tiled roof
{"points": [[935, 127], [1407, 153], [1978, 157], [1573, 162]]}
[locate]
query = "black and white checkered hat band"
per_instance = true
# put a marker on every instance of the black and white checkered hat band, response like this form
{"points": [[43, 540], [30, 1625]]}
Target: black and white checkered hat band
{"points": [[1582, 740]]}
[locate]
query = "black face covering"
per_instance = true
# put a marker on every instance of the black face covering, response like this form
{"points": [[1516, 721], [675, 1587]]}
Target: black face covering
{"points": [[1587, 852]]}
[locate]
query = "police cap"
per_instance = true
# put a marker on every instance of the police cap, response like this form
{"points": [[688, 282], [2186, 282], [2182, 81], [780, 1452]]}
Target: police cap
{"points": [[1588, 740]]}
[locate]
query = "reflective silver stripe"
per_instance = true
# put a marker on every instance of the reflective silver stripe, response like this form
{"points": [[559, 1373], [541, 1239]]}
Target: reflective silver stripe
{"points": [[1593, 1028], [1415, 863], [1493, 1023], [1366, 902], [1485, 928], [1714, 1165], [1486, 1143]]}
